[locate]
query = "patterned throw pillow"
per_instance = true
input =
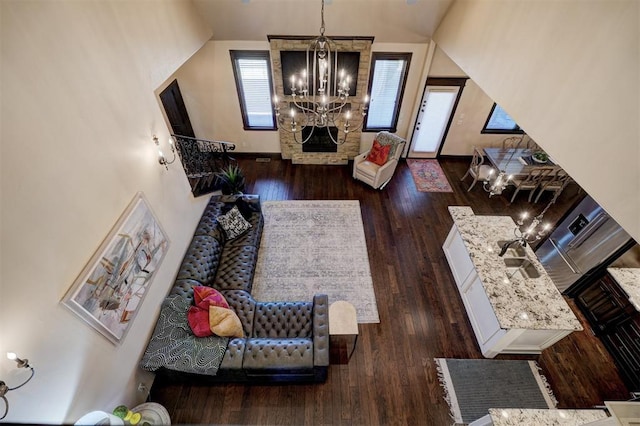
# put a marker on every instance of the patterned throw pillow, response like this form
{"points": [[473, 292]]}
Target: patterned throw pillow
{"points": [[233, 223], [379, 153]]}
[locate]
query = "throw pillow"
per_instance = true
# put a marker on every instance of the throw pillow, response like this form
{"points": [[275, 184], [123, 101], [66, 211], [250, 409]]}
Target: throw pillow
{"points": [[244, 207], [199, 321], [204, 296], [233, 223], [224, 322], [379, 153]]}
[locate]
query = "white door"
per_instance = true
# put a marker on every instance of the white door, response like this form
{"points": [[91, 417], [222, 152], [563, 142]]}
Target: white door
{"points": [[433, 119]]}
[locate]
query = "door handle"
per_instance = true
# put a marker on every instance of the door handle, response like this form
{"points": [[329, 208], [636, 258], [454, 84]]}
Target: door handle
{"points": [[553, 243]]}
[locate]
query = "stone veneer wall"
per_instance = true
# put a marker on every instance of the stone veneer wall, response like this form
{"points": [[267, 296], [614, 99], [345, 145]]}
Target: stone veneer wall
{"points": [[289, 148]]}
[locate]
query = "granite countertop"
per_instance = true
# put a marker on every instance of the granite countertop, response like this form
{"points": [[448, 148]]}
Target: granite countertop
{"points": [[629, 280], [533, 303], [520, 417]]}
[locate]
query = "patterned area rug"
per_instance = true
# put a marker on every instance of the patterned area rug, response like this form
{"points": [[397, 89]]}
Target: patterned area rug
{"points": [[313, 247], [428, 176], [472, 386]]}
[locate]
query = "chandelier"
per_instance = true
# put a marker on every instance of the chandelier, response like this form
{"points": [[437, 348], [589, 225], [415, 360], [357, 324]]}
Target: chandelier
{"points": [[320, 95], [495, 186], [530, 230]]}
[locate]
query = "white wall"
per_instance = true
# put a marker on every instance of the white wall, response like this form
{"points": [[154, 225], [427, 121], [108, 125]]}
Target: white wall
{"points": [[471, 114], [567, 72], [78, 112]]}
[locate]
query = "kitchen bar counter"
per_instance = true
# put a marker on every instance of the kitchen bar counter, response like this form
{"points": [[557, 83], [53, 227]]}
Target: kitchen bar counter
{"points": [[629, 280], [518, 303]]}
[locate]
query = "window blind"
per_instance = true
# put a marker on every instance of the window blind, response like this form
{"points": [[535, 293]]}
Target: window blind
{"points": [[385, 91], [256, 91]]}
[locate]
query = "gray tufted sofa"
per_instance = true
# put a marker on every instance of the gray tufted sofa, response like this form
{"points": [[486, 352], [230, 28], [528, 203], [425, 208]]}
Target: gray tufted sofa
{"points": [[284, 341]]}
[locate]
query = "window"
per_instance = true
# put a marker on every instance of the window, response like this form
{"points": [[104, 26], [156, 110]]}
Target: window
{"points": [[386, 87], [252, 71], [500, 122]]}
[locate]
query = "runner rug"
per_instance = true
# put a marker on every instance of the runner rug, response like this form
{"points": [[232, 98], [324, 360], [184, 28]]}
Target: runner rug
{"points": [[315, 247], [428, 176], [472, 386]]}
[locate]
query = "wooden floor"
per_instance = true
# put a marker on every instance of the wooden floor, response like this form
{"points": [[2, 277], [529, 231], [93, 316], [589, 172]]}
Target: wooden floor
{"points": [[392, 378]]}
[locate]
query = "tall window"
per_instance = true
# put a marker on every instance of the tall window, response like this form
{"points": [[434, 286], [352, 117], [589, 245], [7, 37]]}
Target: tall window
{"points": [[500, 122], [386, 87], [252, 72]]}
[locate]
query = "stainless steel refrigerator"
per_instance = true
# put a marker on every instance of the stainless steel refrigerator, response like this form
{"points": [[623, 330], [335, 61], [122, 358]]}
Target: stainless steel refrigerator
{"points": [[584, 242]]}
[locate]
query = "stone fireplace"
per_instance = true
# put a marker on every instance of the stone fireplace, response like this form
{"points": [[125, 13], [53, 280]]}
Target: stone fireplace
{"points": [[338, 154]]}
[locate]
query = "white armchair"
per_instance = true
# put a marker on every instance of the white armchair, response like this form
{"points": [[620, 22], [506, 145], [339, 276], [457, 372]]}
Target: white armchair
{"points": [[373, 174]]}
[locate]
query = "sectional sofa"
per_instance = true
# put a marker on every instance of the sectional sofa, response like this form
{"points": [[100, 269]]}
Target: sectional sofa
{"points": [[281, 341]]}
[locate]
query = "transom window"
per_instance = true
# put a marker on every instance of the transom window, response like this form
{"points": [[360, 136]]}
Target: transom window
{"points": [[386, 87], [500, 122], [252, 72]]}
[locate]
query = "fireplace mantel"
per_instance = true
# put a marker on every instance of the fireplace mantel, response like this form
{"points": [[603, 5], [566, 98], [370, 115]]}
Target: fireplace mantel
{"points": [[289, 148]]}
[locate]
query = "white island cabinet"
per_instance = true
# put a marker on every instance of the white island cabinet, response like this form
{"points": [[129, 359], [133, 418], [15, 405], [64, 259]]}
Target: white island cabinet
{"points": [[508, 314]]}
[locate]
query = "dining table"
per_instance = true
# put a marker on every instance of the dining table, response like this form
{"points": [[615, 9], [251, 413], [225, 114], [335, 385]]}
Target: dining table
{"points": [[516, 161]]}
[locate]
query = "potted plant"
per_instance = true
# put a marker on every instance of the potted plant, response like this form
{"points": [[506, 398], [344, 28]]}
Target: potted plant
{"points": [[231, 179]]}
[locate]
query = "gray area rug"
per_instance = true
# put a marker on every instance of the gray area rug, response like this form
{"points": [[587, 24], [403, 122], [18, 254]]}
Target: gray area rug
{"points": [[472, 386], [314, 247]]}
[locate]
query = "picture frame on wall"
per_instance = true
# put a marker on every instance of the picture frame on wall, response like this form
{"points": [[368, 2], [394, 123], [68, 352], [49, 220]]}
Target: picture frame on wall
{"points": [[110, 289]]}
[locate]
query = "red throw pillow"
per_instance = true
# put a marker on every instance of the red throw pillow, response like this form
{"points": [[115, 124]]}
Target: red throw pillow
{"points": [[198, 315], [199, 321], [379, 153], [204, 296]]}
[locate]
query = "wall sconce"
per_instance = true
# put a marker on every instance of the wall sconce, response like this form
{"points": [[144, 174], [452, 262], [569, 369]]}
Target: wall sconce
{"points": [[161, 158], [22, 363]]}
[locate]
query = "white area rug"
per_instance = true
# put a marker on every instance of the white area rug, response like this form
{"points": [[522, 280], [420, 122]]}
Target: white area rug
{"points": [[315, 247]]}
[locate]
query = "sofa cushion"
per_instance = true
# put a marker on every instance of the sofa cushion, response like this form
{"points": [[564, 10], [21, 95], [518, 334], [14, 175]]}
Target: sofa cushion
{"points": [[224, 322], [379, 153], [278, 353], [237, 266], [201, 261], [184, 288], [282, 319], [233, 223]]}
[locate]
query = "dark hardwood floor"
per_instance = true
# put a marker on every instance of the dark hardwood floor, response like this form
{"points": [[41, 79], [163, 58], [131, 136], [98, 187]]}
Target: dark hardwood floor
{"points": [[392, 378]]}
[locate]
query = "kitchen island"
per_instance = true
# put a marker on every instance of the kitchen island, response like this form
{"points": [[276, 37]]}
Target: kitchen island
{"points": [[520, 417], [509, 311]]}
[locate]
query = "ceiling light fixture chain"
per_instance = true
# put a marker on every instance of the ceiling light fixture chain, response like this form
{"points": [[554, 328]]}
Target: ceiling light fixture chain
{"points": [[320, 94]]}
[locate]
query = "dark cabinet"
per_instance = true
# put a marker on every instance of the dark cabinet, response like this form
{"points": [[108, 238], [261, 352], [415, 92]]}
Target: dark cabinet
{"points": [[616, 321]]}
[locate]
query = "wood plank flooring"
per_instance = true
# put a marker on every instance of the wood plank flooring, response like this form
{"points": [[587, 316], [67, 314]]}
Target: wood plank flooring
{"points": [[391, 379]]}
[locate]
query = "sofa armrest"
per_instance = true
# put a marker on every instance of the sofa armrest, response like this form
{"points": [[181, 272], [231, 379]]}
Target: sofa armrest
{"points": [[253, 200], [320, 330]]}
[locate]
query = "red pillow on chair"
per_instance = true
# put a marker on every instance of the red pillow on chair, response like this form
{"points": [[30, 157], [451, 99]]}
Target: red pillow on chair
{"points": [[379, 153]]}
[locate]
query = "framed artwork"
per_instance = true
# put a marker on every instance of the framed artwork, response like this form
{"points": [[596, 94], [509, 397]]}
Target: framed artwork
{"points": [[109, 291]]}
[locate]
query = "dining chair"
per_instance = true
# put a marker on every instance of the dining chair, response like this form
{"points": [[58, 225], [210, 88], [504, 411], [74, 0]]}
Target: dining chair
{"points": [[555, 183], [477, 169], [531, 181], [511, 142]]}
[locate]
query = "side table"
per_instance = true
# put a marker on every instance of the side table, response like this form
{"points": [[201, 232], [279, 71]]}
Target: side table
{"points": [[343, 321]]}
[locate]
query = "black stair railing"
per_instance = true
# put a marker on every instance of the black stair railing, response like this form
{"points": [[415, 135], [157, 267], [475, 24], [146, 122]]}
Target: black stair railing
{"points": [[201, 160]]}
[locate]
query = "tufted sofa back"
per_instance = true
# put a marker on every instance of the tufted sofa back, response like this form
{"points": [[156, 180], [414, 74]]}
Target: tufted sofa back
{"points": [[283, 320], [201, 261]]}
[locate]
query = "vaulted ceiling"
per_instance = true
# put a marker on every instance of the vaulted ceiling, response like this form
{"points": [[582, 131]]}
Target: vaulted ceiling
{"points": [[389, 21]]}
